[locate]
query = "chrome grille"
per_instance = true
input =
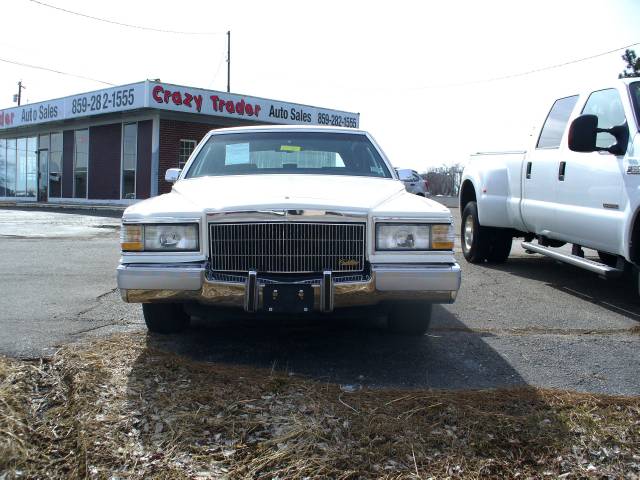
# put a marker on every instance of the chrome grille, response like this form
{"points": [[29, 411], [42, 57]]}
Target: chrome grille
{"points": [[287, 247]]}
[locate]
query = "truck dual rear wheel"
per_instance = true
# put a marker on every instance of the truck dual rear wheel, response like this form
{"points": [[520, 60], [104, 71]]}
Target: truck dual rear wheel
{"points": [[482, 243], [410, 317], [165, 317]]}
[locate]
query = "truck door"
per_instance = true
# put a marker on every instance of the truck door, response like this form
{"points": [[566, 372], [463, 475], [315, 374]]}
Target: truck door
{"points": [[540, 170], [590, 185]]}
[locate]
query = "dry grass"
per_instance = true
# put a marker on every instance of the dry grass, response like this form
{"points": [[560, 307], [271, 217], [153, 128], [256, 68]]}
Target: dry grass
{"points": [[122, 409]]}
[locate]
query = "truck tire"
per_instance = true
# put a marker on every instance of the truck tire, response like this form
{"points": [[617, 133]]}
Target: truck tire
{"points": [[499, 246], [474, 238], [410, 317], [165, 317]]}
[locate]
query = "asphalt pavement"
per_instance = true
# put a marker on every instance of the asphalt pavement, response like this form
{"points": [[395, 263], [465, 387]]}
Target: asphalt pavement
{"points": [[531, 321]]}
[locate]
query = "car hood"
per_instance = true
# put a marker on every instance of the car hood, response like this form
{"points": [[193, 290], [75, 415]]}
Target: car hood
{"points": [[260, 192]]}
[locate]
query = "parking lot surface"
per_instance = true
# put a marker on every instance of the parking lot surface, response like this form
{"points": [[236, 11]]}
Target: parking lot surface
{"points": [[531, 321]]}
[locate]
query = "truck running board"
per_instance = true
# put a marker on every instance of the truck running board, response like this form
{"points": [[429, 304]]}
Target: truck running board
{"points": [[595, 267]]}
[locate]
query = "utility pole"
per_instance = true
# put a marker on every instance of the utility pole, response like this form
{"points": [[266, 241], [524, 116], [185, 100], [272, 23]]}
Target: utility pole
{"points": [[18, 97], [228, 60]]}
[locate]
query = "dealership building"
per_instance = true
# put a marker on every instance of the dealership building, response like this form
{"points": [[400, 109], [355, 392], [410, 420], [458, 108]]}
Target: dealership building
{"points": [[114, 145]]}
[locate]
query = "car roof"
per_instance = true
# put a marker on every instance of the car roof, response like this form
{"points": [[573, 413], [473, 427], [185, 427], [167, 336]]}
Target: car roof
{"points": [[288, 128]]}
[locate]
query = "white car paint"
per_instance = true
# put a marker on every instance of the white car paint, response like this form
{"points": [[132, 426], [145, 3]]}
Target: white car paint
{"points": [[595, 206]]}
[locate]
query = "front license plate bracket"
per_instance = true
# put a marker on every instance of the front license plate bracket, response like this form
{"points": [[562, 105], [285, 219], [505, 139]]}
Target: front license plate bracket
{"points": [[287, 298]]}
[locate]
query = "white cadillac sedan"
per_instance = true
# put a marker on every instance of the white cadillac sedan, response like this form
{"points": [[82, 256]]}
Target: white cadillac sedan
{"points": [[287, 220]]}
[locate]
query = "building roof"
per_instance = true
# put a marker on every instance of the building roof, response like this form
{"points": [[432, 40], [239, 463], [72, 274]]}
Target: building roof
{"points": [[175, 98]]}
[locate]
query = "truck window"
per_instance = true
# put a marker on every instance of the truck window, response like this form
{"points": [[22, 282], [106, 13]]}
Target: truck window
{"points": [[556, 122], [635, 97], [607, 105]]}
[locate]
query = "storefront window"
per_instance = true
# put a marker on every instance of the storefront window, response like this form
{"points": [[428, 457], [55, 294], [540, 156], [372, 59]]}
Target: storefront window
{"points": [[3, 167], [129, 160], [21, 168], [186, 149], [32, 166], [80, 163], [12, 152], [55, 166]]}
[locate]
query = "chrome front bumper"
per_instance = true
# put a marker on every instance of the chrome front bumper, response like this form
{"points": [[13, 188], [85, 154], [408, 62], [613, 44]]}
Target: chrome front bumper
{"points": [[436, 283]]}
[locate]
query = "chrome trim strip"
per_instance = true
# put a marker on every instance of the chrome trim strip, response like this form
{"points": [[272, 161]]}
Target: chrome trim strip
{"points": [[326, 292], [286, 215], [154, 220], [251, 292]]}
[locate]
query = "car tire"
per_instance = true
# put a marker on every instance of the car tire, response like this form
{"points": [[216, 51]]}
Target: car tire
{"points": [[410, 317], [165, 317], [474, 238]]}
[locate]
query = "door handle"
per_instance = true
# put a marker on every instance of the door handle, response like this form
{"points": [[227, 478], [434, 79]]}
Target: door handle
{"points": [[528, 170], [561, 169]]}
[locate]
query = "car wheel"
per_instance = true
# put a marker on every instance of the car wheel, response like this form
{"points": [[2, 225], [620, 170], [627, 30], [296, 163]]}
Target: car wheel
{"points": [[475, 241], [499, 246], [410, 317], [165, 317]]}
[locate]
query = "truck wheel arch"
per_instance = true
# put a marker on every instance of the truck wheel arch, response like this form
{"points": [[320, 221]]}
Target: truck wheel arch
{"points": [[634, 240], [467, 194]]}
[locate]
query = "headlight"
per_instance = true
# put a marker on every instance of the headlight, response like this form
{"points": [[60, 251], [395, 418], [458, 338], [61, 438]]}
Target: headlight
{"points": [[414, 237], [162, 237], [397, 236]]}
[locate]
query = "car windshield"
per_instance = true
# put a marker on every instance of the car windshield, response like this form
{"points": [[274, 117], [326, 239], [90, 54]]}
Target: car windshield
{"points": [[288, 152], [635, 95]]}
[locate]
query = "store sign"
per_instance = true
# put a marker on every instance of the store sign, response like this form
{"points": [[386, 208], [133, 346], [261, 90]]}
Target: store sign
{"points": [[176, 98], [222, 104]]}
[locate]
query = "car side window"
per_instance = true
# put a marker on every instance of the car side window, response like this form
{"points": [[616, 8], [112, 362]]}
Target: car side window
{"points": [[556, 122], [607, 106]]}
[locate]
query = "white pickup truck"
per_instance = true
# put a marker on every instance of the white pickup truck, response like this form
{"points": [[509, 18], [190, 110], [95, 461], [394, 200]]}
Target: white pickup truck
{"points": [[579, 183]]}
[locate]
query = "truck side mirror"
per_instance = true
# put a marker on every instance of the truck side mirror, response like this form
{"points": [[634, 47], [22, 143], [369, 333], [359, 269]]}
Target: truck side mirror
{"points": [[172, 175], [583, 134]]}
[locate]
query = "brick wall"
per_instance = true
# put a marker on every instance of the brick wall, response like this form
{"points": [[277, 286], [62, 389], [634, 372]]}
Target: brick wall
{"points": [[171, 132]]}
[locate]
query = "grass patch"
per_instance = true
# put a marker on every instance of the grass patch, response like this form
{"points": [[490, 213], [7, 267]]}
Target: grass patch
{"points": [[120, 408]]}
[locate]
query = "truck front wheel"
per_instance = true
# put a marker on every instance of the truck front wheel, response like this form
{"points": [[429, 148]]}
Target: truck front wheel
{"points": [[475, 246], [483, 243], [165, 317]]}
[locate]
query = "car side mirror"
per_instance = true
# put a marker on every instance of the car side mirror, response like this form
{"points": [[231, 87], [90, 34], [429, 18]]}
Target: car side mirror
{"points": [[583, 134], [172, 175]]}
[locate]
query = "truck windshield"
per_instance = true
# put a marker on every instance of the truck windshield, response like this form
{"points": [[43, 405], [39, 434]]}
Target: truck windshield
{"points": [[288, 152], [635, 97]]}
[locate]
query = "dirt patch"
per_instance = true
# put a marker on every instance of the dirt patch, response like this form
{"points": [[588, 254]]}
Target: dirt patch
{"points": [[122, 408]]}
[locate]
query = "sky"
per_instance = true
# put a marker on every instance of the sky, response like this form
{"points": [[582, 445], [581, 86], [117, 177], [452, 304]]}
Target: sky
{"points": [[421, 73]]}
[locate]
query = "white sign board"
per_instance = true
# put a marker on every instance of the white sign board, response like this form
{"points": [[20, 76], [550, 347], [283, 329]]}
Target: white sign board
{"points": [[115, 99], [176, 98], [222, 104]]}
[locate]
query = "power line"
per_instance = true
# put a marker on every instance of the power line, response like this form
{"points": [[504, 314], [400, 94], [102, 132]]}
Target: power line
{"points": [[37, 67], [121, 24], [528, 72]]}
